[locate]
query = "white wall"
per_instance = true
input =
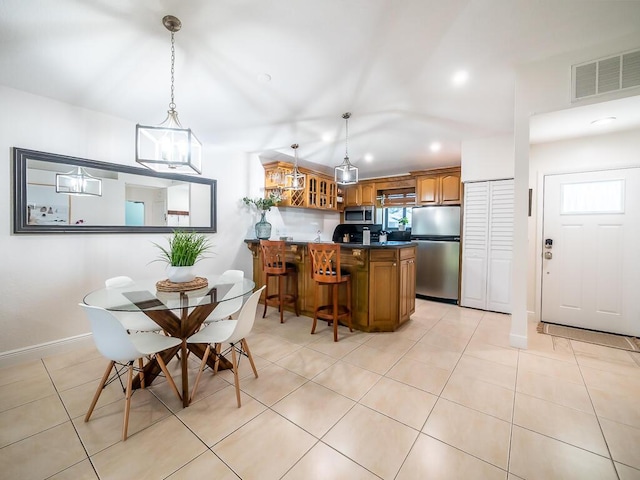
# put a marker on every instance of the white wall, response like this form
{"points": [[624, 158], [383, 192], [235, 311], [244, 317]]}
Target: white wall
{"points": [[544, 86], [487, 159], [45, 276], [600, 152]]}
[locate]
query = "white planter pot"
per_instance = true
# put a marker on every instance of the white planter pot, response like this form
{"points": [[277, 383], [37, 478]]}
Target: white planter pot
{"points": [[180, 274]]}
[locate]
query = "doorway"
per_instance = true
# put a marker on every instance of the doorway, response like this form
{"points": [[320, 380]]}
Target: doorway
{"points": [[591, 251]]}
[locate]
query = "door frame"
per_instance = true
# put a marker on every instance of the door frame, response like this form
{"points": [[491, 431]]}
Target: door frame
{"points": [[538, 200]]}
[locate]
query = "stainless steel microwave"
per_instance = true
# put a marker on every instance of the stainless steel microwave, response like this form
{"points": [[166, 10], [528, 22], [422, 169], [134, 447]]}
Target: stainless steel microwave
{"points": [[363, 214]]}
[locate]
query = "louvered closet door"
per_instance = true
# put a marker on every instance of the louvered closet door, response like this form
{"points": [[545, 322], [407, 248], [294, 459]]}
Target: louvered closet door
{"points": [[475, 239], [487, 245], [500, 264]]}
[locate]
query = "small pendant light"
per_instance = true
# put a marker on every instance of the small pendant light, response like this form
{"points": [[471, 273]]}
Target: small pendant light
{"points": [[345, 173], [295, 180]]}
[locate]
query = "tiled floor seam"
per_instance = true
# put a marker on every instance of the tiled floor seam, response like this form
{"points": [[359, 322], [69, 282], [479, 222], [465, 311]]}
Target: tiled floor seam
{"points": [[467, 453], [88, 457], [604, 437], [513, 415]]}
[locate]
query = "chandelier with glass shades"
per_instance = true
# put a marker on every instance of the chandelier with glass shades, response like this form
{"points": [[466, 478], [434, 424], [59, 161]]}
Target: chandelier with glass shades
{"points": [[346, 173], [169, 147], [78, 182]]}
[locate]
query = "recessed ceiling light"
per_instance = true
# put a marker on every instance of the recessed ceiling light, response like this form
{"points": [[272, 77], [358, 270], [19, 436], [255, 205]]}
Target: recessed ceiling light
{"points": [[368, 157], [603, 121], [264, 77], [327, 137], [435, 146], [460, 77]]}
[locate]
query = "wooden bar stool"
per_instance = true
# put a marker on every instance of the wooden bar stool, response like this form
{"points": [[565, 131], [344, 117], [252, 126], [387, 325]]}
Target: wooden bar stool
{"points": [[325, 270], [274, 265]]}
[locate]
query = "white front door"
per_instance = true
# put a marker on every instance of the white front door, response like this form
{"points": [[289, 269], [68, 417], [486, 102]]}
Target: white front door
{"points": [[591, 251]]}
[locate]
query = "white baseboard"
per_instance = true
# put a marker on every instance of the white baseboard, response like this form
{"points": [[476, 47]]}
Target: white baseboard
{"points": [[518, 341], [36, 352]]}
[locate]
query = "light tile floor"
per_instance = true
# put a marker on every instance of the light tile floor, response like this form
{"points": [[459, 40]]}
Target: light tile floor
{"points": [[444, 397]]}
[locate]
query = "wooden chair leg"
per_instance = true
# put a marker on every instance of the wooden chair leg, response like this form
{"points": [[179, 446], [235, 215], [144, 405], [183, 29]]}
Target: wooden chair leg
{"points": [[234, 359], [266, 294], [216, 362], [295, 294], [127, 402], [334, 295], [105, 377], [315, 308], [245, 347], [281, 297], [163, 367], [202, 365], [350, 317], [141, 374]]}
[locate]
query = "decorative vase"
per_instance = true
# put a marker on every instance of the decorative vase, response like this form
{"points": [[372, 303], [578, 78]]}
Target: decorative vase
{"points": [[263, 228], [180, 274], [402, 227]]}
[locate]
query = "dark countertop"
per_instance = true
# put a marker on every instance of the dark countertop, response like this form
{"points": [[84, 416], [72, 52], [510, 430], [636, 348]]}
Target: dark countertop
{"points": [[392, 244]]}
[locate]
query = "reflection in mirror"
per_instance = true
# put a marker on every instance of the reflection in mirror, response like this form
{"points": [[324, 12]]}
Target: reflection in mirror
{"points": [[133, 199]]}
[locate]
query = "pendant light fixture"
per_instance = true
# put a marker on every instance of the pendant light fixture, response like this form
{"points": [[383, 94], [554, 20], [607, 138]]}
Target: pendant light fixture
{"points": [[295, 179], [78, 182], [169, 147], [345, 173]]}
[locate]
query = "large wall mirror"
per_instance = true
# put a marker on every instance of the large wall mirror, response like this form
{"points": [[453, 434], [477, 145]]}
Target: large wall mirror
{"points": [[123, 199]]}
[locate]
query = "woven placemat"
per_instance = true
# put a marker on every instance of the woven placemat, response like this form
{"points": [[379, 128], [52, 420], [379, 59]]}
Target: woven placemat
{"points": [[195, 284]]}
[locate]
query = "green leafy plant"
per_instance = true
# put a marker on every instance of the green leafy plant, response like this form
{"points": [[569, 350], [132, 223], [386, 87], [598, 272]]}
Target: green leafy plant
{"points": [[185, 248], [403, 221], [263, 204]]}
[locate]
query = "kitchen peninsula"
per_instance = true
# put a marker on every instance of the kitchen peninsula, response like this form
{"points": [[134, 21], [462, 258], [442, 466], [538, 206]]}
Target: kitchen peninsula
{"points": [[383, 277]]}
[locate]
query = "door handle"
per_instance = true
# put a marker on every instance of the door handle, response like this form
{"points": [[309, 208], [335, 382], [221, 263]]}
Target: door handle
{"points": [[548, 255]]}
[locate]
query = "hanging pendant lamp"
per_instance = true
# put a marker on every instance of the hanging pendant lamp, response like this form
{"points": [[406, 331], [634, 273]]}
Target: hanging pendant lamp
{"points": [[345, 173], [169, 147], [78, 182], [295, 179]]}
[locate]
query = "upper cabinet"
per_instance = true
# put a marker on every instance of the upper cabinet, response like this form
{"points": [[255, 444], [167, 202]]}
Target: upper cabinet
{"points": [[442, 187], [320, 191], [360, 194]]}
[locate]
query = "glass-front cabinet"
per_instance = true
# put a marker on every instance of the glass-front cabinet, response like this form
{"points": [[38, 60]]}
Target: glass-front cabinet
{"points": [[320, 190]]}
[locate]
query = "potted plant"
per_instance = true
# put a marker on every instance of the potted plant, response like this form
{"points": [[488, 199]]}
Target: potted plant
{"points": [[185, 249], [402, 223], [263, 205]]}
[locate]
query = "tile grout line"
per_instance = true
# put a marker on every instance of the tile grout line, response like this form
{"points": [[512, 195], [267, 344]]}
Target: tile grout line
{"points": [[88, 457], [595, 412]]}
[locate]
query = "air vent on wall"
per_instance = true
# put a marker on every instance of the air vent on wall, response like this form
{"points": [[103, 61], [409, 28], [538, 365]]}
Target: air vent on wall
{"points": [[606, 75]]}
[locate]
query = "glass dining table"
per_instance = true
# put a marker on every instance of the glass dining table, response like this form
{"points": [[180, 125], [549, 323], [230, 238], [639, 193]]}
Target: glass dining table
{"points": [[180, 313]]}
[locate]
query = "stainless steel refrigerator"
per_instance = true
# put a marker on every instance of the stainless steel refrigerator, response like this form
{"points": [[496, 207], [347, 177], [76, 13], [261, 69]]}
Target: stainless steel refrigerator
{"points": [[436, 230]]}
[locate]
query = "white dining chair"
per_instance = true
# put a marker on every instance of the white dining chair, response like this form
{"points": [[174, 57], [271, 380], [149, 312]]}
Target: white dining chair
{"points": [[132, 321], [232, 301], [233, 333], [123, 349]]}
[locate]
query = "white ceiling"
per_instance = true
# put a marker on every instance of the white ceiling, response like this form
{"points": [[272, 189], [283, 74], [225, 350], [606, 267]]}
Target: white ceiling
{"points": [[389, 62]]}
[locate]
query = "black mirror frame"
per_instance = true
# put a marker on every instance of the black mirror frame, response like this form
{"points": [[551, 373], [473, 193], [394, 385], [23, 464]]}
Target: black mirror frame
{"points": [[19, 197]]}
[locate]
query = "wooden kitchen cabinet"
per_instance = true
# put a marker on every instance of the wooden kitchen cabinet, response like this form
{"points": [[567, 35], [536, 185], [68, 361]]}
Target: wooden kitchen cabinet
{"points": [[360, 194], [442, 188], [320, 191], [407, 294], [392, 288]]}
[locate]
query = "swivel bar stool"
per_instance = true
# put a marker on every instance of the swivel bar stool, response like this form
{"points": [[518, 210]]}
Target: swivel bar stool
{"points": [[274, 264], [325, 270]]}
